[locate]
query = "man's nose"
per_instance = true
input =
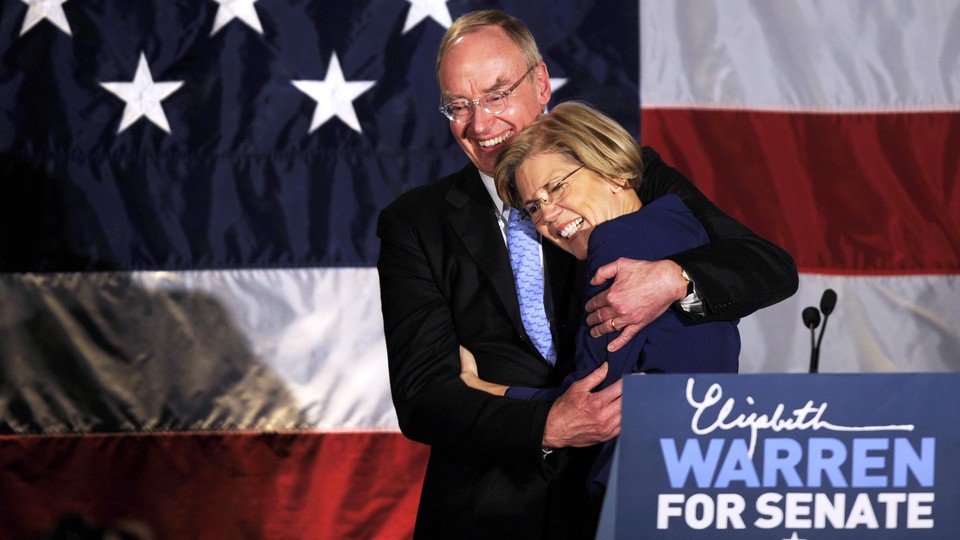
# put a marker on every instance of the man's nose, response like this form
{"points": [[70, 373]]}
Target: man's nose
{"points": [[482, 120]]}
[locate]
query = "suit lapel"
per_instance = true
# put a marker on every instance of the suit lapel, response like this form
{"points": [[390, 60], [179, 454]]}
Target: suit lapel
{"points": [[473, 217]]}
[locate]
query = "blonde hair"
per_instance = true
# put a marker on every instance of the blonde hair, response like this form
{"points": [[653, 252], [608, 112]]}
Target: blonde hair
{"points": [[515, 29], [579, 133]]}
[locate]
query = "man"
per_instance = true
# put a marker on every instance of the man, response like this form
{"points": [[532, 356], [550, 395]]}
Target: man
{"points": [[500, 466]]}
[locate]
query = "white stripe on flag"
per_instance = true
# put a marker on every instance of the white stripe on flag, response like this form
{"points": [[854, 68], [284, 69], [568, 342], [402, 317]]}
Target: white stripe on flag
{"points": [[334, 359], [319, 329], [874, 55], [881, 323]]}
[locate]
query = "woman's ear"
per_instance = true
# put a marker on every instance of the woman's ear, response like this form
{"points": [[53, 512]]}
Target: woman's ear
{"points": [[617, 184]]}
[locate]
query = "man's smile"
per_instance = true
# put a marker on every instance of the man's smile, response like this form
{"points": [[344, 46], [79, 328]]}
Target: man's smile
{"points": [[495, 141]]}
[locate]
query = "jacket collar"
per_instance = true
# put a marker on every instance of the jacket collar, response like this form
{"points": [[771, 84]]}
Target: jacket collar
{"points": [[473, 217]]}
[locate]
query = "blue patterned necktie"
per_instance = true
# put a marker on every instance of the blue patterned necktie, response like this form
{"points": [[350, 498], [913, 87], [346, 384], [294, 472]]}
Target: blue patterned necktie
{"points": [[523, 245]]}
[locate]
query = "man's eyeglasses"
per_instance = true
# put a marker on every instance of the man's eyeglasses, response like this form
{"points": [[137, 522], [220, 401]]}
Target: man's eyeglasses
{"points": [[554, 194], [461, 110]]}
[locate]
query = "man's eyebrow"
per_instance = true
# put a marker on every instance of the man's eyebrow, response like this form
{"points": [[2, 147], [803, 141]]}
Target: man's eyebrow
{"points": [[502, 82], [447, 97]]}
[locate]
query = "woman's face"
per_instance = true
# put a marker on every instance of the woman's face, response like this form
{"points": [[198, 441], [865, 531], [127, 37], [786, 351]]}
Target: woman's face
{"points": [[579, 202]]}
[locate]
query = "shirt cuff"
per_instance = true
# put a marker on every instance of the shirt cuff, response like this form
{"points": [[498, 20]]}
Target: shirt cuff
{"points": [[692, 303]]}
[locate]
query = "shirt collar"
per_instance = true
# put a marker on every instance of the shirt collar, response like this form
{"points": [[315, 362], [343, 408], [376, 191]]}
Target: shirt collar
{"points": [[492, 190]]}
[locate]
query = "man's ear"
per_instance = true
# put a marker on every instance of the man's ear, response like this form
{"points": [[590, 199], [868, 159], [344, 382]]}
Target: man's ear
{"points": [[542, 81]]}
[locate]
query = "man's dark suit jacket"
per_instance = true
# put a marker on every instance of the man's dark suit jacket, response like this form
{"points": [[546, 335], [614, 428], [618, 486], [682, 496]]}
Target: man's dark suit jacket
{"points": [[445, 281]]}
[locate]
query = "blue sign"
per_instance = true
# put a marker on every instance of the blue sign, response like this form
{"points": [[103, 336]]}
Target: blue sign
{"points": [[787, 457]]}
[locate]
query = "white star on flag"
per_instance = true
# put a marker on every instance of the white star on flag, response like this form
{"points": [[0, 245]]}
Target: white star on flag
{"points": [[557, 83], [421, 9], [236, 9], [52, 10], [143, 96], [334, 96], [794, 536]]}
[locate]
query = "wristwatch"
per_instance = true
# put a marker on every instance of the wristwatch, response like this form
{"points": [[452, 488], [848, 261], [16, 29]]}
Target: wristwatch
{"points": [[683, 274]]}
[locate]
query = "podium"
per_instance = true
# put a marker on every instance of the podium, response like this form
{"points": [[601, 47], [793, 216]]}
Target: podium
{"points": [[792, 457]]}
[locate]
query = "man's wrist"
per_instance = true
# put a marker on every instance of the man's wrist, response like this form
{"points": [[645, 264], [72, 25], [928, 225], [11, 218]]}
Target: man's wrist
{"points": [[691, 303]]}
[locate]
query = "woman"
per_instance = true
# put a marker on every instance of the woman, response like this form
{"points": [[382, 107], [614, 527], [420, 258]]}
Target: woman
{"points": [[574, 173]]}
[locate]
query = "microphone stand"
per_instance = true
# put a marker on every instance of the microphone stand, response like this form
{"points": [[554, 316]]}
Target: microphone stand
{"points": [[811, 319]]}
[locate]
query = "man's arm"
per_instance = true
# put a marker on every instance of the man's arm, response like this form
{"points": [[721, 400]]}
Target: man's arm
{"points": [[433, 405], [567, 425], [735, 274]]}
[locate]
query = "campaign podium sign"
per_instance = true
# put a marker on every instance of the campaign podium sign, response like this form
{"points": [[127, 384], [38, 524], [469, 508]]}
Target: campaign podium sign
{"points": [[791, 457]]}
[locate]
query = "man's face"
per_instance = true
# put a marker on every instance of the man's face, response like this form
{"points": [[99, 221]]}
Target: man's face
{"points": [[477, 64]]}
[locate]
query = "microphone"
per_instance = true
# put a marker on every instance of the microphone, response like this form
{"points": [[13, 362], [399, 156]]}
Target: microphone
{"points": [[827, 302], [811, 319]]}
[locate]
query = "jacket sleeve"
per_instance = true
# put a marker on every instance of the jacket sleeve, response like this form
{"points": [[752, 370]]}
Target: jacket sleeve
{"points": [[433, 405], [738, 272]]}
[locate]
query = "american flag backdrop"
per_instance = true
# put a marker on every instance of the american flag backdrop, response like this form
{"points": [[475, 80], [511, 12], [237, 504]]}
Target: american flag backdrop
{"points": [[190, 333]]}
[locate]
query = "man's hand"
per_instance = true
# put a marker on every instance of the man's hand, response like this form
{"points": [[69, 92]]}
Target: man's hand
{"points": [[641, 292], [582, 418]]}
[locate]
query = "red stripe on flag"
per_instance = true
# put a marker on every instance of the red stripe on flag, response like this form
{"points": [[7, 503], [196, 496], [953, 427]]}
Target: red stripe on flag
{"points": [[869, 193], [215, 485]]}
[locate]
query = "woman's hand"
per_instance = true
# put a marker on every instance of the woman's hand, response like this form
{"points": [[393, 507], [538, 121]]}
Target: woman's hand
{"points": [[470, 375]]}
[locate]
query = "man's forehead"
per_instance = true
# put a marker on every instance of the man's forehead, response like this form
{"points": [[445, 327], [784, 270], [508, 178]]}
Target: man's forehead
{"points": [[479, 53]]}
